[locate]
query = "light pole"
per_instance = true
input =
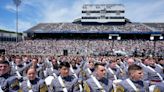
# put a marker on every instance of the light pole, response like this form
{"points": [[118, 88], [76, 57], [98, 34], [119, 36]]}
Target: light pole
{"points": [[113, 38], [17, 4], [154, 39], [110, 38]]}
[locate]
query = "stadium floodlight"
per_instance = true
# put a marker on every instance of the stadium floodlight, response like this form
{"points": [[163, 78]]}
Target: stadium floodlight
{"points": [[17, 4], [151, 37], [110, 37], [118, 38], [161, 37]]}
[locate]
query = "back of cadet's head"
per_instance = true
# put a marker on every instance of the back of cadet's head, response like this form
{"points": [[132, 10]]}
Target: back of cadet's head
{"points": [[98, 64], [2, 58], [130, 60], [64, 64], [35, 58], [32, 67], [18, 57], [113, 60], [4, 62], [134, 67]]}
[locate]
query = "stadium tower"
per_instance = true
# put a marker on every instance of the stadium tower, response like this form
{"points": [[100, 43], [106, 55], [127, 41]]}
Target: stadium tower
{"points": [[103, 13]]}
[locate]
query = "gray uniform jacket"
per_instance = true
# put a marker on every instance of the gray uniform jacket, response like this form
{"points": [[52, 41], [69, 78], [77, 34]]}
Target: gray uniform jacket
{"points": [[35, 85], [9, 83], [49, 72], [70, 82], [150, 75], [140, 85], [20, 68], [116, 72], [104, 82]]}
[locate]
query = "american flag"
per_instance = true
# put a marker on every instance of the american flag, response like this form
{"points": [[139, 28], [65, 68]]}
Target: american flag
{"points": [[17, 2]]}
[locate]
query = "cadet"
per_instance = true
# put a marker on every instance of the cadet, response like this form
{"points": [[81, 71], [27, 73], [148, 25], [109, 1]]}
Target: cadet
{"points": [[65, 82], [128, 62], [152, 74], [88, 68], [134, 82], [2, 58], [8, 82], [18, 68], [52, 70], [80, 61], [161, 66], [32, 83], [39, 67], [74, 70], [26, 62], [113, 72], [98, 82]]}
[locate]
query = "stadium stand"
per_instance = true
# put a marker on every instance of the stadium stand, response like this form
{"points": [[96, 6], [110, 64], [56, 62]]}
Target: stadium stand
{"points": [[82, 47], [79, 28], [158, 26]]}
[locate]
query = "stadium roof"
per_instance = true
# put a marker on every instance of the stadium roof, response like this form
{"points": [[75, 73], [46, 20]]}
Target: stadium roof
{"points": [[79, 28], [5, 31]]}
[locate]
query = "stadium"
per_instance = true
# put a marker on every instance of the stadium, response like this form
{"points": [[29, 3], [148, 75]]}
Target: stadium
{"points": [[102, 51]]}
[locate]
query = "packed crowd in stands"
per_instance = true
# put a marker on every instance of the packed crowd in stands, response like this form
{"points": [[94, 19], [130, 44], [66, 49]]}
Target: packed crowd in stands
{"points": [[82, 47], [158, 26], [79, 28]]}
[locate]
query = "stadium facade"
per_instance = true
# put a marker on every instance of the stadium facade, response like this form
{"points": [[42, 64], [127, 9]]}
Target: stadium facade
{"points": [[9, 36], [98, 21]]}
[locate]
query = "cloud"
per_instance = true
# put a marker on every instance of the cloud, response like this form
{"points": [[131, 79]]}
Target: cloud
{"points": [[53, 12], [143, 12], [37, 11], [24, 25], [4, 27], [158, 18], [56, 13], [11, 8], [106, 1]]}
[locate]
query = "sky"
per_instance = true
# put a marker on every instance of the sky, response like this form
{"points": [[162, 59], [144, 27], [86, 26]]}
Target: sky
{"points": [[33, 12]]}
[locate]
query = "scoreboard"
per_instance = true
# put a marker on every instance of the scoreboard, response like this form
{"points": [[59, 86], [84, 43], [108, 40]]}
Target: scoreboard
{"points": [[103, 13]]}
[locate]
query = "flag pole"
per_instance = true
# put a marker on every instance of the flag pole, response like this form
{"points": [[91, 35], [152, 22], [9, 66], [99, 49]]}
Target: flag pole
{"points": [[17, 4]]}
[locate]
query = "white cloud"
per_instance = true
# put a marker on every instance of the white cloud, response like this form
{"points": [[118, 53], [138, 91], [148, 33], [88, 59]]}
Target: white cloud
{"points": [[24, 25], [37, 11], [11, 8], [4, 27], [106, 1], [56, 13], [158, 18], [143, 12]]}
